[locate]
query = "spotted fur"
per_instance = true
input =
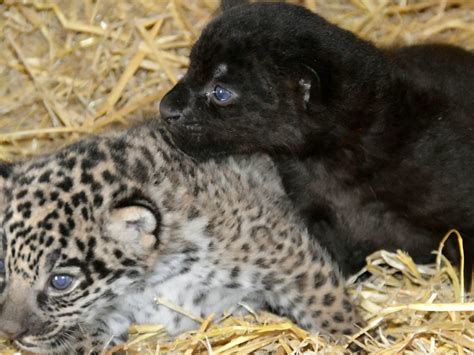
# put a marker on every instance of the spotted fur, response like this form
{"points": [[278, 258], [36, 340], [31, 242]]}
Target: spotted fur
{"points": [[132, 220]]}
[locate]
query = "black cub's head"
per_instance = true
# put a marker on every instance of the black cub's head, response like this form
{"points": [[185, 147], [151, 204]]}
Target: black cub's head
{"points": [[265, 77]]}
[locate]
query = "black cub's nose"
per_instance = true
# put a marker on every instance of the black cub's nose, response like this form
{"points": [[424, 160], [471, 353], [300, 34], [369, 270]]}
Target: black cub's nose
{"points": [[169, 114], [169, 110]]}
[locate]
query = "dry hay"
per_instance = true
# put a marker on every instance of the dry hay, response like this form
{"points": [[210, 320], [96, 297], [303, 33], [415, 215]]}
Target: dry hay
{"points": [[75, 67]]}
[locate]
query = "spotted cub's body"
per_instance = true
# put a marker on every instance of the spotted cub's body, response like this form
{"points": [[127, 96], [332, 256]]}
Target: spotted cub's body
{"points": [[127, 220]]}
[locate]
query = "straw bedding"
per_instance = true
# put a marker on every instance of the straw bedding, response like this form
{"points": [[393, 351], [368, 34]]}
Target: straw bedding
{"points": [[75, 67]]}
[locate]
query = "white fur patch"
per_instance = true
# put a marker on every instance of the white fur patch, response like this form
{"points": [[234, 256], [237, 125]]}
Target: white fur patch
{"points": [[220, 70]]}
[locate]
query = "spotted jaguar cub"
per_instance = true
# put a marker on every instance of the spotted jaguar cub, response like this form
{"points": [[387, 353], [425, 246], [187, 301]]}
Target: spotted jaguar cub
{"points": [[94, 234]]}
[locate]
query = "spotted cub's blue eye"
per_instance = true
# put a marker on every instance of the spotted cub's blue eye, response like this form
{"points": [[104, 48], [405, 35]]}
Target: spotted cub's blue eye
{"points": [[61, 282], [2, 266], [221, 94]]}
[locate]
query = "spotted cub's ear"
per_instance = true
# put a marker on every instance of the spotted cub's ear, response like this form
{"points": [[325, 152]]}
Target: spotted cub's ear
{"points": [[228, 4], [310, 86], [134, 227]]}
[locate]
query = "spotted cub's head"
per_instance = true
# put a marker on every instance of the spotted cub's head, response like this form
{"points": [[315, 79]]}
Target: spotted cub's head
{"points": [[268, 77], [75, 232]]}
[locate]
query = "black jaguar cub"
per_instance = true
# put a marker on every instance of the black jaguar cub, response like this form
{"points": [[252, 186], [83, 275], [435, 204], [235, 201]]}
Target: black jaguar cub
{"points": [[375, 147]]}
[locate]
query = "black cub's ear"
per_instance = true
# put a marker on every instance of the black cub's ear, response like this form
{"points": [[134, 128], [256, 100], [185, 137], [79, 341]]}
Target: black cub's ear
{"points": [[310, 86], [228, 4], [134, 227]]}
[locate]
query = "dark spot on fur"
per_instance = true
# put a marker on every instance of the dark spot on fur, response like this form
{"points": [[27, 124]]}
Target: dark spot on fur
{"points": [[319, 280], [65, 184], [301, 281], [129, 262], [80, 245], [68, 163], [235, 272], [85, 213], [98, 200], [199, 298], [101, 268], [233, 285], [328, 299], [338, 317], [108, 176], [78, 198], [347, 306], [21, 194], [86, 178], [64, 230], [45, 177], [42, 299], [334, 279], [54, 195]]}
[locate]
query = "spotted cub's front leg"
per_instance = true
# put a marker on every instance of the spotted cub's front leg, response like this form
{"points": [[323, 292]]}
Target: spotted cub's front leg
{"points": [[312, 293], [298, 279]]}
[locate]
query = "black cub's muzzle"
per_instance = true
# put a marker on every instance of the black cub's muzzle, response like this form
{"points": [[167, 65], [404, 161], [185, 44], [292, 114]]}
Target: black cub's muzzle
{"points": [[173, 105]]}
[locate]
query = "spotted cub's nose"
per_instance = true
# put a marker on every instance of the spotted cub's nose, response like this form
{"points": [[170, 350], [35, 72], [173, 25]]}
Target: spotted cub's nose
{"points": [[12, 330], [16, 317]]}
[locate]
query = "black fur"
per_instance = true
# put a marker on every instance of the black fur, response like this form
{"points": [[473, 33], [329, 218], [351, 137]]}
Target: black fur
{"points": [[439, 67], [376, 148], [228, 4]]}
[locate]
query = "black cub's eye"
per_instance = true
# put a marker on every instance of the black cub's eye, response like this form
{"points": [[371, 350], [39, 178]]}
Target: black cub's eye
{"points": [[61, 282], [221, 94]]}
